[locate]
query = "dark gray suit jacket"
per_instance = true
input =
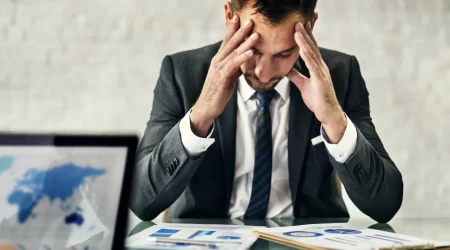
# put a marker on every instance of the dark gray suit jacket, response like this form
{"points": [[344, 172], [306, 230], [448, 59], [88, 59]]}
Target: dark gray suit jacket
{"points": [[201, 187]]}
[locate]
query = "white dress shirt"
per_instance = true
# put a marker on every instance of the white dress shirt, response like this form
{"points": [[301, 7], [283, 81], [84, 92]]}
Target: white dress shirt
{"points": [[280, 202]]}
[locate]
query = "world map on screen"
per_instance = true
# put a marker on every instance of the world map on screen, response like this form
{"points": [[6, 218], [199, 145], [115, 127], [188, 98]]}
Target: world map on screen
{"points": [[56, 183]]}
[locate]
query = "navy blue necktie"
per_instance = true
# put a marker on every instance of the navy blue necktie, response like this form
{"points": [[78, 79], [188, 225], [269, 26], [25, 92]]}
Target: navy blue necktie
{"points": [[262, 173]]}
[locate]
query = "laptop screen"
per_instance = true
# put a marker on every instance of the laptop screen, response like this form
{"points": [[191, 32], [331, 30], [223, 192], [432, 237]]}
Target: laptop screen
{"points": [[55, 197]]}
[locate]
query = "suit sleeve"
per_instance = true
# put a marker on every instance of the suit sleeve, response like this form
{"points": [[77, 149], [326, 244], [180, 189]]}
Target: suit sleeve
{"points": [[163, 168], [369, 175]]}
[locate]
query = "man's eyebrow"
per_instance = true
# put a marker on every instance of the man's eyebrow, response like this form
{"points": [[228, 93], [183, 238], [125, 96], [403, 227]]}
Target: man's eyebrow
{"points": [[287, 50], [281, 52]]}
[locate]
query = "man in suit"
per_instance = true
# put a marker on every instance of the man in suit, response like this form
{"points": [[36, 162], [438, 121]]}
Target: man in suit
{"points": [[259, 125]]}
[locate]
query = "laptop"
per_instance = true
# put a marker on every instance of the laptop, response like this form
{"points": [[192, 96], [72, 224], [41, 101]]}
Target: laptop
{"points": [[65, 191]]}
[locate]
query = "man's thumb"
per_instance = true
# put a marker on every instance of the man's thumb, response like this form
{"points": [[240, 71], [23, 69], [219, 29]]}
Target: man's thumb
{"points": [[297, 78]]}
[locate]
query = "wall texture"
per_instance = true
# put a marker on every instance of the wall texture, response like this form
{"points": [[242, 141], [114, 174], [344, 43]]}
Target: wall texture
{"points": [[91, 66]]}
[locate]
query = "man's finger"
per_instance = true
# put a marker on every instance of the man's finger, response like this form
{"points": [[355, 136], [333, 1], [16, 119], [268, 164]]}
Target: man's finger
{"points": [[232, 28], [307, 54], [301, 29], [309, 30], [235, 40], [297, 78], [247, 45], [236, 62]]}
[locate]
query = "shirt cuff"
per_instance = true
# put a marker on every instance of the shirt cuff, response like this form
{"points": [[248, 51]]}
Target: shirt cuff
{"points": [[193, 144], [346, 147]]}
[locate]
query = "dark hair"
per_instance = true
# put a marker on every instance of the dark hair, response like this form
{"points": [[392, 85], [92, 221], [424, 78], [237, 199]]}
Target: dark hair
{"points": [[275, 11]]}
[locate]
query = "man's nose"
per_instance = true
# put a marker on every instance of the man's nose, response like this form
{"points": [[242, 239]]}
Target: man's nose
{"points": [[264, 69]]}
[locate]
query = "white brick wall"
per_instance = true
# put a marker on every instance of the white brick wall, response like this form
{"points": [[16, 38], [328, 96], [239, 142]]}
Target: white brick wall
{"points": [[91, 66]]}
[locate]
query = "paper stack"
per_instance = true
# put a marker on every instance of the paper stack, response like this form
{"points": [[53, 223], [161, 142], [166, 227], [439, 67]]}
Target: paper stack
{"points": [[193, 236], [344, 236]]}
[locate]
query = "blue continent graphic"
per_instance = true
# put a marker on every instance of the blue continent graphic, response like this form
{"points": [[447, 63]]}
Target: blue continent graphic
{"points": [[59, 182], [6, 163]]}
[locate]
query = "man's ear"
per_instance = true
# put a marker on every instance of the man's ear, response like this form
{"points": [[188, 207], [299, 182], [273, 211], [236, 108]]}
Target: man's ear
{"points": [[314, 19], [228, 13]]}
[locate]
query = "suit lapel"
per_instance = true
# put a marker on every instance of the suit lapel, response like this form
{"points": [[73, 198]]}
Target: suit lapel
{"points": [[226, 125], [300, 119]]}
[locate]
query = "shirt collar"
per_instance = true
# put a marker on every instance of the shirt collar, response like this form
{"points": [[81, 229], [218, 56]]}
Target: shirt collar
{"points": [[247, 92]]}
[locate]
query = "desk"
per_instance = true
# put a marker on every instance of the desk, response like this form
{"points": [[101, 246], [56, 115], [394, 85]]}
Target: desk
{"points": [[433, 229]]}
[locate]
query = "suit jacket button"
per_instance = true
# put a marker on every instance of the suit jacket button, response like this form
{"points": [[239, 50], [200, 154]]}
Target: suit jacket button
{"points": [[176, 162], [169, 171], [360, 173]]}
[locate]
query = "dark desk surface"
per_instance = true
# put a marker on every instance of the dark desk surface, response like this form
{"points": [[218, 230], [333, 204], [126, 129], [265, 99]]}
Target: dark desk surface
{"points": [[428, 228]]}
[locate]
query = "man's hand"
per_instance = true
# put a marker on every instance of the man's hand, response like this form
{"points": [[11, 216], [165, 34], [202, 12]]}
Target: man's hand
{"points": [[222, 75], [317, 91]]}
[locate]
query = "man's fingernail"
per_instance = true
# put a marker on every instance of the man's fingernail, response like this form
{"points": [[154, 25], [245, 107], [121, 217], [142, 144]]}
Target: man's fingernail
{"points": [[235, 18], [254, 36], [247, 23]]}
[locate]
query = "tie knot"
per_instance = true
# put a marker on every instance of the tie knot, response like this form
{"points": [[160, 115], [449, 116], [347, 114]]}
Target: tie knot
{"points": [[264, 98]]}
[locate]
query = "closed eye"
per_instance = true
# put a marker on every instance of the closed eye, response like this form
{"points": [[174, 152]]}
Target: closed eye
{"points": [[284, 55], [256, 52]]}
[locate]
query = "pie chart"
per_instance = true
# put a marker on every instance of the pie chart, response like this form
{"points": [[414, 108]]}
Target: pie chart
{"points": [[302, 234]]}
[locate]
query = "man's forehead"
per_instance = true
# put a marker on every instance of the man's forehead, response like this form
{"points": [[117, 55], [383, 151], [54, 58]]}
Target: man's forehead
{"points": [[273, 38]]}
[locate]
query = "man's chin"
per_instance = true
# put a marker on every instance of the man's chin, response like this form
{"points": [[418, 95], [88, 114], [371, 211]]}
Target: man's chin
{"points": [[260, 87]]}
